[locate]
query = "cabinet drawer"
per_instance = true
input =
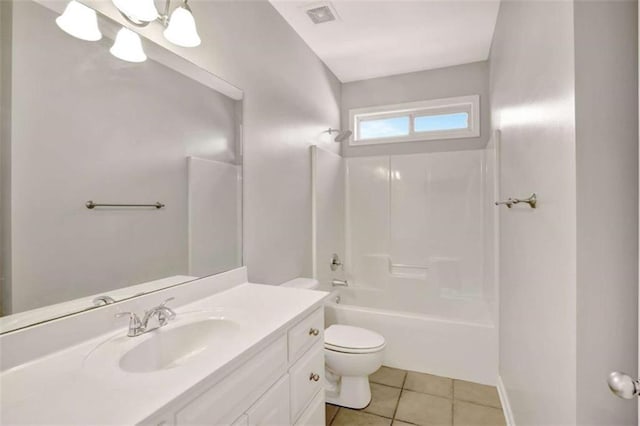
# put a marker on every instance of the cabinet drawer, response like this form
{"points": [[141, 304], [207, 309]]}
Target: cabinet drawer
{"points": [[307, 378], [273, 407], [229, 397], [302, 336], [314, 414]]}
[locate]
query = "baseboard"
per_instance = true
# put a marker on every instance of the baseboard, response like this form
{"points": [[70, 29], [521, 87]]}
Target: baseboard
{"points": [[504, 400]]}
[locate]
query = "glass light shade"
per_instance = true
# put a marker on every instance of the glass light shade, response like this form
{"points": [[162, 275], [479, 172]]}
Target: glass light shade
{"points": [[182, 30], [79, 21], [128, 46], [138, 10]]}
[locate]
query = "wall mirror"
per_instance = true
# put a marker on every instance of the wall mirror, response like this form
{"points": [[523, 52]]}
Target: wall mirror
{"points": [[118, 178]]}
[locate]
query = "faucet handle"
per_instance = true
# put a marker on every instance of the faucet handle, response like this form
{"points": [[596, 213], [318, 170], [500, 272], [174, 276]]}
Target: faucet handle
{"points": [[135, 325], [336, 262], [132, 315], [163, 304], [164, 309]]}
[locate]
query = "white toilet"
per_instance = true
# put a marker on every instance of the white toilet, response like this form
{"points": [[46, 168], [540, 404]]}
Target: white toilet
{"points": [[351, 354]]}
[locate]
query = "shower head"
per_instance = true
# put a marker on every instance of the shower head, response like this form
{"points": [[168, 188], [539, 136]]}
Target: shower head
{"points": [[342, 135]]}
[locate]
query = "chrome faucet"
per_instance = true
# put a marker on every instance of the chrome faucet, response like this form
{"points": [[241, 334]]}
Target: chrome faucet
{"points": [[163, 313], [339, 283], [103, 300]]}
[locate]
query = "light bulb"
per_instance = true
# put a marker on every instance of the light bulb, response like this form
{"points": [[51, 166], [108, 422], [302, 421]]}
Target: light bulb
{"points": [[138, 10], [182, 30], [79, 21], [128, 46]]}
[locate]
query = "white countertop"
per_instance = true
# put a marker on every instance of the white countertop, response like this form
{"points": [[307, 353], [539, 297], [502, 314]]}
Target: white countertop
{"points": [[61, 388]]}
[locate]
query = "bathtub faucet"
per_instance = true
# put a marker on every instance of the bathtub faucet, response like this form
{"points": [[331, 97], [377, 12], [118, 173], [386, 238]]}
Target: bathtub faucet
{"points": [[339, 283]]}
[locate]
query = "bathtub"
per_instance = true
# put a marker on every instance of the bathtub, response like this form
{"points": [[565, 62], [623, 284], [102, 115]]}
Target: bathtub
{"points": [[457, 340]]}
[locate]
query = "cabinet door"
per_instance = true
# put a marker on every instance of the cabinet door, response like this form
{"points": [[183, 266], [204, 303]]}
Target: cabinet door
{"points": [[226, 400], [307, 378], [272, 409], [314, 414]]}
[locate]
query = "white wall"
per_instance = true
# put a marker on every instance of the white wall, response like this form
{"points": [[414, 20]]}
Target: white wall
{"points": [[606, 54], [87, 126], [461, 80], [329, 213], [532, 103], [568, 270], [290, 99]]}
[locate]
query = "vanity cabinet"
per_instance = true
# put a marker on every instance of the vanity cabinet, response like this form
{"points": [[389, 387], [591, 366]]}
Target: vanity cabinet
{"points": [[282, 385], [273, 407]]}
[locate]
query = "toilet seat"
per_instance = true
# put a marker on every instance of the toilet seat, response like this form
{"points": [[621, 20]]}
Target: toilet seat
{"points": [[353, 340]]}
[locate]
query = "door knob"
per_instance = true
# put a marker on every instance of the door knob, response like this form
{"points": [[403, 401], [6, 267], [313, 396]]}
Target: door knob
{"points": [[623, 385]]}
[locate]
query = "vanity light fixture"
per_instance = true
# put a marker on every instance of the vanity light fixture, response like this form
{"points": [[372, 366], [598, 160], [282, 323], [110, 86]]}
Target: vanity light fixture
{"points": [[79, 21], [181, 29], [128, 46], [180, 25], [140, 12]]}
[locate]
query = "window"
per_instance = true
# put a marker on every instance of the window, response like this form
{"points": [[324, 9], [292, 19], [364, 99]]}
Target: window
{"points": [[384, 127], [417, 121]]}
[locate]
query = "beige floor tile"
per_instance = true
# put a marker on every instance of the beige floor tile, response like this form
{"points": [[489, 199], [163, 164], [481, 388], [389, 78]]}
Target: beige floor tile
{"points": [[346, 417], [424, 410], [468, 414], [399, 423], [388, 376], [476, 393], [384, 400], [428, 383], [330, 412]]}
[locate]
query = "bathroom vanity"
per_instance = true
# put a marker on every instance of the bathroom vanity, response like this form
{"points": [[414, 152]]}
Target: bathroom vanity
{"points": [[243, 354]]}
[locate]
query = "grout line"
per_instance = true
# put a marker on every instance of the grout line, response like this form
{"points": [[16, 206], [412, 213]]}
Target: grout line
{"points": [[333, 419], [479, 404], [453, 400], [395, 411], [453, 403]]}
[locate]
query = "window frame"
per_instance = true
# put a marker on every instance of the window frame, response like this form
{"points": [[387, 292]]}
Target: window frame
{"points": [[460, 104]]}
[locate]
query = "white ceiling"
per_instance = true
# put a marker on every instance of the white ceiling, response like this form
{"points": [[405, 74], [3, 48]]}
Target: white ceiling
{"points": [[375, 38]]}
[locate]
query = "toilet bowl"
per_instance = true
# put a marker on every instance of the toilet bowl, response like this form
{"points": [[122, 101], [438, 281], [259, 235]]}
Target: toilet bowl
{"points": [[351, 355]]}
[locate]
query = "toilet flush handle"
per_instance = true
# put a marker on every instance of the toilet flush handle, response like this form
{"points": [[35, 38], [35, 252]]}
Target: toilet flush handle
{"points": [[314, 376]]}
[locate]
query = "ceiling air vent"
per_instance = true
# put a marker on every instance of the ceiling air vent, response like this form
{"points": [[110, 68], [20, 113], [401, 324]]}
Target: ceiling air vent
{"points": [[321, 13]]}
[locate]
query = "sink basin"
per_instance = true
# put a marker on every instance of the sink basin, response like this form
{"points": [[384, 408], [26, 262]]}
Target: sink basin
{"points": [[184, 340], [169, 348]]}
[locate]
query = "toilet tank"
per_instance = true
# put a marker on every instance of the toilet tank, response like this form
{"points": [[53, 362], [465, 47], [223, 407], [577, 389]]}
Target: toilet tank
{"points": [[308, 283]]}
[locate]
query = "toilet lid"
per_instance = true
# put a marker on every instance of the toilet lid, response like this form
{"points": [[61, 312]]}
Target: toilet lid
{"points": [[348, 337]]}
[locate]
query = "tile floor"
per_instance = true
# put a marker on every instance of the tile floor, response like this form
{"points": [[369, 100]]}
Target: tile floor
{"points": [[401, 398]]}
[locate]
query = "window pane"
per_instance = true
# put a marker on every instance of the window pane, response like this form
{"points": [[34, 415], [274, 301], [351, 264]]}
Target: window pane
{"points": [[383, 128], [434, 123]]}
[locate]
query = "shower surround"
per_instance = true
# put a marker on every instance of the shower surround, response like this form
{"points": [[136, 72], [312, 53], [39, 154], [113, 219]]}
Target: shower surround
{"points": [[418, 247]]}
